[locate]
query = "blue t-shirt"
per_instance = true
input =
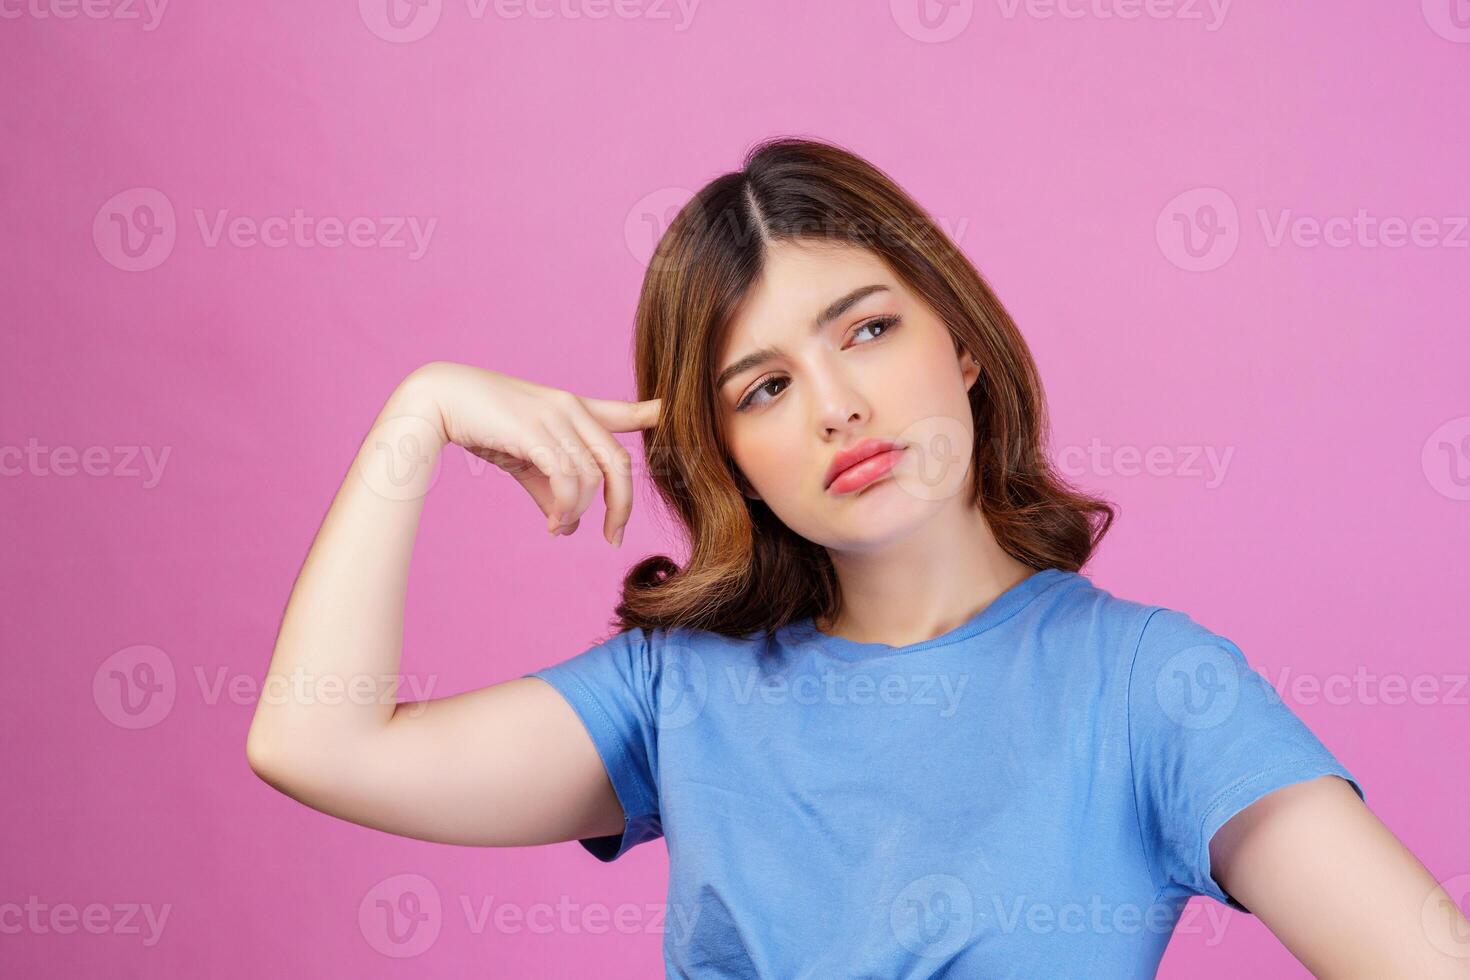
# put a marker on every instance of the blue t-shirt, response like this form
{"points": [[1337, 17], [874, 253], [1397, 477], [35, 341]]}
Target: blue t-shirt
{"points": [[1030, 794]]}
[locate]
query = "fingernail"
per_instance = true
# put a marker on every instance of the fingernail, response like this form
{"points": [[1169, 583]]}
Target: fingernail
{"points": [[618, 538]]}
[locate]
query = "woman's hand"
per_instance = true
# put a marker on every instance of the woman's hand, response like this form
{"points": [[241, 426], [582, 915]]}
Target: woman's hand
{"points": [[556, 444]]}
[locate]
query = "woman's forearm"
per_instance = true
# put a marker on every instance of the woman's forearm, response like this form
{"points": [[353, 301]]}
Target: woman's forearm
{"points": [[333, 673]]}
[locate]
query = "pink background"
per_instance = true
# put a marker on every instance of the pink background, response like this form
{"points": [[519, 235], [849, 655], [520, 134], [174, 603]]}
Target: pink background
{"points": [[548, 151]]}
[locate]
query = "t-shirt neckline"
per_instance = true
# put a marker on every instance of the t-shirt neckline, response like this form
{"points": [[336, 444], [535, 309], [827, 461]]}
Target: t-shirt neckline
{"points": [[1001, 608]]}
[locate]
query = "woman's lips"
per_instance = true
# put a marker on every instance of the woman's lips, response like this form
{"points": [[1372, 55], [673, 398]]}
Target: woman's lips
{"points": [[859, 475]]}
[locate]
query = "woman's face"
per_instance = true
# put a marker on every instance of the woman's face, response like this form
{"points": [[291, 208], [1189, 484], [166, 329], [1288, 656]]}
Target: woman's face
{"points": [[852, 355]]}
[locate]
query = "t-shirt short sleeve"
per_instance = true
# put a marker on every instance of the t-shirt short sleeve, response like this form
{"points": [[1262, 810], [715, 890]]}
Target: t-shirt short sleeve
{"points": [[612, 687], [1207, 736]]}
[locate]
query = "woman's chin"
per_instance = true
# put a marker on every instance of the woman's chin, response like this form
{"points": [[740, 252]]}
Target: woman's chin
{"points": [[878, 515]]}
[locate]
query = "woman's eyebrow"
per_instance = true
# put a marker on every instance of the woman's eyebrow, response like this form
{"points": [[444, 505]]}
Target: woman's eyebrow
{"points": [[834, 310]]}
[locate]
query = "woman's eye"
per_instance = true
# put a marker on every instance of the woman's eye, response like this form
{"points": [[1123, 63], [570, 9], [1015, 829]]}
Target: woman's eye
{"points": [[885, 323], [763, 386]]}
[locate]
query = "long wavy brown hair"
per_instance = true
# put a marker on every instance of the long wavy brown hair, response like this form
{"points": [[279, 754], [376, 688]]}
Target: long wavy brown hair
{"points": [[746, 571]]}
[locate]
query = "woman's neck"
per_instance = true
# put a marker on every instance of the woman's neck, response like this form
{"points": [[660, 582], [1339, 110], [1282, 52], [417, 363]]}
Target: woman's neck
{"points": [[925, 585]]}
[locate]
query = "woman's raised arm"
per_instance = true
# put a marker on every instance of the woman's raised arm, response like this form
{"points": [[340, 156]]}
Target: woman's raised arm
{"points": [[507, 764]]}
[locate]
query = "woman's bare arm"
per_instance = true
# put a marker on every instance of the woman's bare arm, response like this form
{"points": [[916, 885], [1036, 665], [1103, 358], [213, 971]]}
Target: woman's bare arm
{"points": [[1339, 890], [507, 764]]}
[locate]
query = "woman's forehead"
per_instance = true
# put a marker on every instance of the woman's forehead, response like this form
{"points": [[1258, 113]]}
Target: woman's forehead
{"points": [[797, 282]]}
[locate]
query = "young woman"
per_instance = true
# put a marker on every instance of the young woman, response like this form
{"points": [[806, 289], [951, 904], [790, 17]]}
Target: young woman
{"points": [[885, 725]]}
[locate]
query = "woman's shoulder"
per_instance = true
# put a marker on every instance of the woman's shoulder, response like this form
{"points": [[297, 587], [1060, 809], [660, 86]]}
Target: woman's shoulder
{"points": [[1135, 635], [1105, 601]]}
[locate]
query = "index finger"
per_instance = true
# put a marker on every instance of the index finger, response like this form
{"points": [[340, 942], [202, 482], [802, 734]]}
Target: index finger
{"points": [[621, 416]]}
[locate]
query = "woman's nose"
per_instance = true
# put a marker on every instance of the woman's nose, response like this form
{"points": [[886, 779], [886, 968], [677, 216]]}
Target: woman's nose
{"points": [[837, 403]]}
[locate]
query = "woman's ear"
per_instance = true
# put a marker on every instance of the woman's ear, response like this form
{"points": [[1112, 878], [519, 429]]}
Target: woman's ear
{"points": [[745, 488], [969, 369]]}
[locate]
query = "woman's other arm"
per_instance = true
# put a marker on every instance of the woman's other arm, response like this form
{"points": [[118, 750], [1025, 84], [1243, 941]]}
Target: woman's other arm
{"points": [[1339, 890]]}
